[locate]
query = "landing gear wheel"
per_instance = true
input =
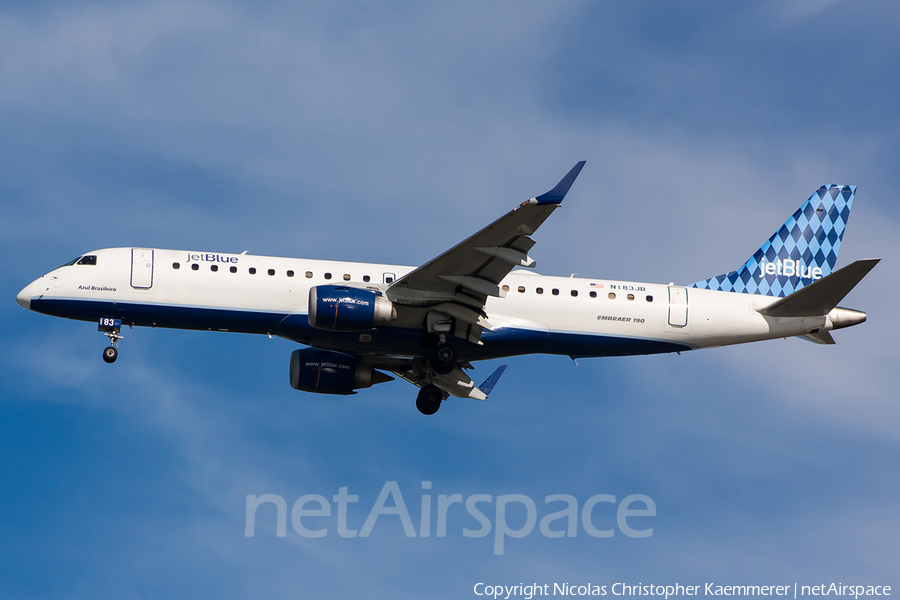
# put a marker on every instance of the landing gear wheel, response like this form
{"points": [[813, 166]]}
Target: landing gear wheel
{"points": [[444, 360], [110, 354], [429, 400]]}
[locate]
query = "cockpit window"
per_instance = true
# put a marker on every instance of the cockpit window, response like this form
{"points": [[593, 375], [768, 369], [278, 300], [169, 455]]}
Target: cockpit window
{"points": [[70, 263], [88, 259]]}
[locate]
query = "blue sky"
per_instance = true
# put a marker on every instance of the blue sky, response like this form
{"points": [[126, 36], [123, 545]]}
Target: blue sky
{"points": [[389, 132]]}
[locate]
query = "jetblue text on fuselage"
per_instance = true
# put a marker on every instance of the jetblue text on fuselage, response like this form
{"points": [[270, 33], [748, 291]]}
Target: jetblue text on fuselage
{"points": [[211, 257], [789, 268]]}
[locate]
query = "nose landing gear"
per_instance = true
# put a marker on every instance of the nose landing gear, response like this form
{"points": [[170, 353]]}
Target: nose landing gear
{"points": [[111, 328]]}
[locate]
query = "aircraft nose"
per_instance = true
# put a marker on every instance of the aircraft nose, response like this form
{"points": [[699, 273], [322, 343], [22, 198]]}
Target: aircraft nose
{"points": [[24, 297]]}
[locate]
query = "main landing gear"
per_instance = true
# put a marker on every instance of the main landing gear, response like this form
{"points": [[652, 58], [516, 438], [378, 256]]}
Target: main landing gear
{"points": [[440, 359], [443, 360], [111, 328], [429, 399]]}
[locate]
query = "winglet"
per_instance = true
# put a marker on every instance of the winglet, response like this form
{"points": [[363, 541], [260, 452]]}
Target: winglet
{"points": [[492, 379], [556, 195]]}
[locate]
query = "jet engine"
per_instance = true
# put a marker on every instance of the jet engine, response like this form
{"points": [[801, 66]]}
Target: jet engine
{"points": [[343, 308], [329, 372]]}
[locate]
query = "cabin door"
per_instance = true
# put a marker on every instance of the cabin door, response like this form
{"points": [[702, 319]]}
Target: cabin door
{"points": [[678, 306], [141, 268]]}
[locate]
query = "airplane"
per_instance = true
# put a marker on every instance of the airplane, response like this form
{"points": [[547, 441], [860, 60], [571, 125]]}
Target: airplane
{"points": [[476, 301]]}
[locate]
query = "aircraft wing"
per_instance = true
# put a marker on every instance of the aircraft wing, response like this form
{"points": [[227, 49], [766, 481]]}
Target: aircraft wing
{"points": [[456, 383], [459, 281]]}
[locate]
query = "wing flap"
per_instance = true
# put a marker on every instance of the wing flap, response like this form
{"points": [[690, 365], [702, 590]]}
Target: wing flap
{"points": [[465, 260]]}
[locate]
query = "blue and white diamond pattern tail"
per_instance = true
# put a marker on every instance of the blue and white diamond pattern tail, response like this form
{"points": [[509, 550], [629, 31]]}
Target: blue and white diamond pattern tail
{"points": [[803, 250]]}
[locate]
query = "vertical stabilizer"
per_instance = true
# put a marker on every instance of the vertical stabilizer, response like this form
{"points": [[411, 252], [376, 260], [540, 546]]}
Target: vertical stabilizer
{"points": [[802, 251]]}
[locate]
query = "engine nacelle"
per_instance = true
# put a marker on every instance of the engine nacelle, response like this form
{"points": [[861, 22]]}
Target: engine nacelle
{"points": [[329, 372], [343, 308]]}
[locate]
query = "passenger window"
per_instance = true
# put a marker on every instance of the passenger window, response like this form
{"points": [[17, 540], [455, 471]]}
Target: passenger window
{"points": [[366, 278], [346, 277], [176, 265], [539, 290], [593, 294], [195, 267], [521, 289], [213, 268], [649, 298], [252, 270], [290, 273], [233, 269], [574, 293], [612, 296], [271, 272], [327, 275], [90, 259], [555, 292], [389, 279], [630, 296], [505, 288], [309, 274]]}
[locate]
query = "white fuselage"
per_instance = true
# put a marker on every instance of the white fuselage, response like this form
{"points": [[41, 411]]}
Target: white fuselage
{"points": [[269, 295]]}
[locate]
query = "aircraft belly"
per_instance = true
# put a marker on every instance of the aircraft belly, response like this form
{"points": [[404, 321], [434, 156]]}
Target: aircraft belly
{"points": [[511, 342], [504, 341], [158, 315], [381, 341]]}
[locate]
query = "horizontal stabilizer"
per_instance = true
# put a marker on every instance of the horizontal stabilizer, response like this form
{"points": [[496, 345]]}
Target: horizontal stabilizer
{"points": [[821, 337], [819, 297]]}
